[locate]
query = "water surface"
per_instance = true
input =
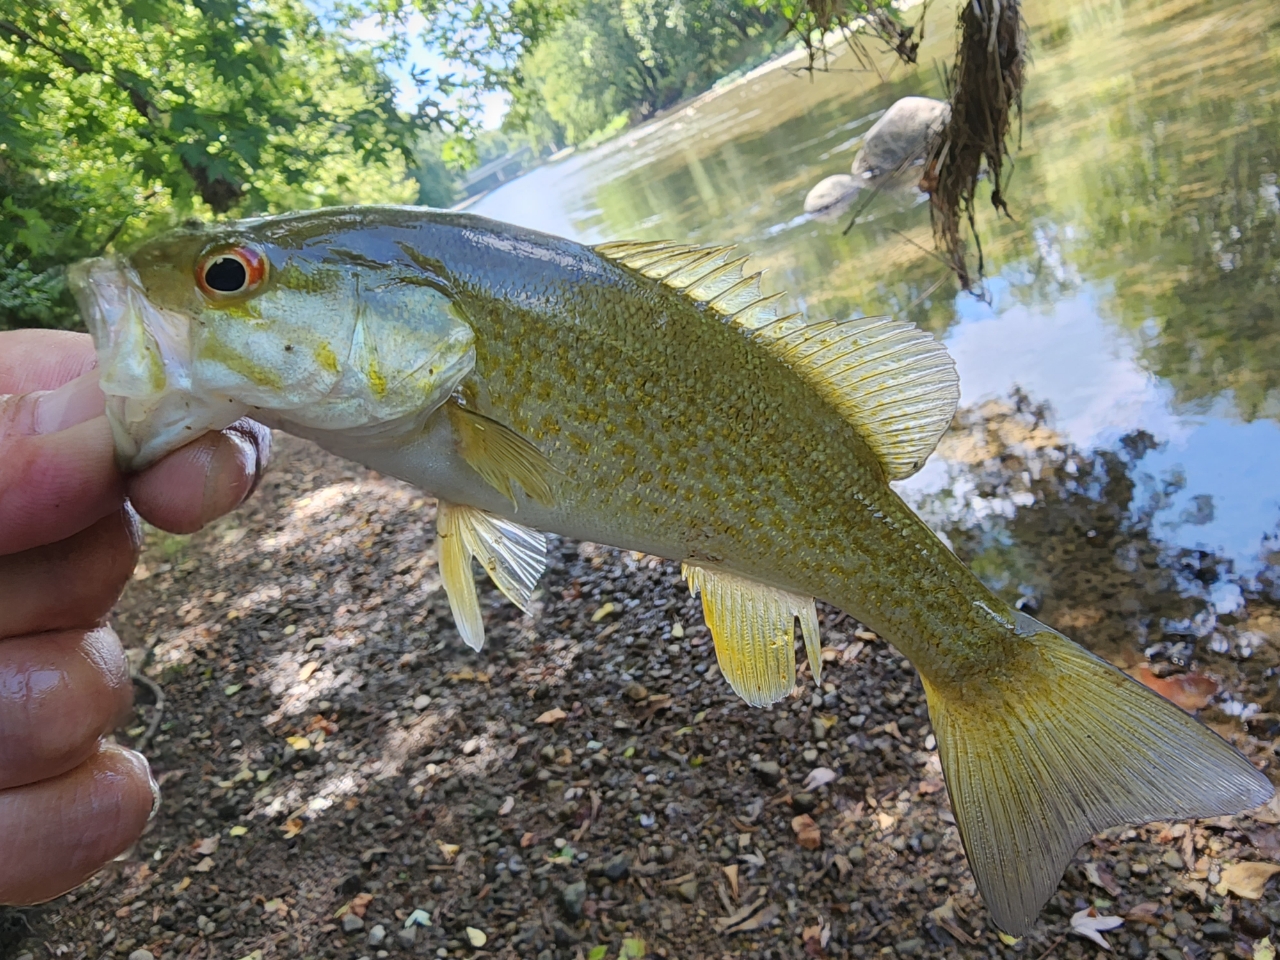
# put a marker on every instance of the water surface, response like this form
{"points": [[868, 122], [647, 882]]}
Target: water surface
{"points": [[1115, 466]]}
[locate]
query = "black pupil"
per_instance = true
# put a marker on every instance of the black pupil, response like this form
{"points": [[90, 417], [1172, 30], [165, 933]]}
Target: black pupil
{"points": [[226, 275]]}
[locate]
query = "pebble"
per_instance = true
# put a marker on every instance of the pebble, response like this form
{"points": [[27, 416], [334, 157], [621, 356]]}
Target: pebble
{"points": [[572, 898], [1172, 859], [407, 936], [421, 702], [618, 867], [909, 948], [136, 955], [351, 923], [688, 890], [377, 935], [636, 691], [804, 802], [768, 771], [1217, 931], [477, 937], [1184, 921]]}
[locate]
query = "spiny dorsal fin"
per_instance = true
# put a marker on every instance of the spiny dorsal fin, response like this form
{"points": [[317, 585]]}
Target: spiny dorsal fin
{"points": [[754, 629], [887, 377], [514, 557]]}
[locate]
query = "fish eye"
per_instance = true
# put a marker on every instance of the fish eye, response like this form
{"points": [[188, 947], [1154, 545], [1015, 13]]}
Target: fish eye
{"points": [[231, 271]]}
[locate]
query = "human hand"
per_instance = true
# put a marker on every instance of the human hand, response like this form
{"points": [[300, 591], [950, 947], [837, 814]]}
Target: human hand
{"points": [[69, 538]]}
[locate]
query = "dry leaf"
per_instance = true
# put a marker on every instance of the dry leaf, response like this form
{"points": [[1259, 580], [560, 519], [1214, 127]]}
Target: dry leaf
{"points": [[527, 841], [819, 777], [602, 611], [360, 903], [207, 846], [448, 850], [508, 805], [299, 743], [551, 716], [1100, 876], [945, 917], [239, 831], [292, 828], [1247, 879], [1190, 691], [807, 833], [1145, 913], [1264, 950], [1269, 812], [307, 670], [930, 785], [749, 918], [731, 872], [204, 866], [1089, 924]]}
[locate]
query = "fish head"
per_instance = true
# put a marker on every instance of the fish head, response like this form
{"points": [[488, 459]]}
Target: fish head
{"points": [[269, 319]]}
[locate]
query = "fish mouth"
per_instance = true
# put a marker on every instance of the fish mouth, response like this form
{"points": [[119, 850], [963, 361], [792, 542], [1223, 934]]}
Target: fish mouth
{"points": [[144, 354]]}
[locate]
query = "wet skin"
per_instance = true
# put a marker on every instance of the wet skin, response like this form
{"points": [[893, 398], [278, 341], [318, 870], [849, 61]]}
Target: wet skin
{"points": [[69, 537]]}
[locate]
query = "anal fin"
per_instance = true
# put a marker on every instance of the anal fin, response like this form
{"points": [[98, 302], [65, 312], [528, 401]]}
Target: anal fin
{"points": [[754, 629], [500, 455], [514, 557]]}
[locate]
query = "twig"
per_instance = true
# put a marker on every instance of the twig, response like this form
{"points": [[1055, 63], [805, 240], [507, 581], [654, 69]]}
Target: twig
{"points": [[1052, 946], [144, 681]]}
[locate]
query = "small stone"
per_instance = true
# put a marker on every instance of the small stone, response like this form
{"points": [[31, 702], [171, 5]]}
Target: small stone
{"points": [[636, 692], [477, 937], [667, 853], [688, 890], [351, 923], [1252, 923], [421, 702], [804, 802], [785, 728], [1184, 921], [377, 935], [856, 855], [564, 937], [810, 755], [1136, 949], [408, 936], [768, 771], [516, 864], [1217, 931], [1172, 859], [618, 867], [572, 898], [909, 948], [136, 955], [1122, 872]]}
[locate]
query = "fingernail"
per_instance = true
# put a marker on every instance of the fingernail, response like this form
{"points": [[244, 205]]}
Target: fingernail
{"points": [[74, 402]]}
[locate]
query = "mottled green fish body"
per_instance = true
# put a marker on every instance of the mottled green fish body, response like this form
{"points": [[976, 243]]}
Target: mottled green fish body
{"points": [[647, 395]]}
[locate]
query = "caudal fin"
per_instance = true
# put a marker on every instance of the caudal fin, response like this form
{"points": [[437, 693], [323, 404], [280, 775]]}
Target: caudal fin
{"points": [[1061, 748]]}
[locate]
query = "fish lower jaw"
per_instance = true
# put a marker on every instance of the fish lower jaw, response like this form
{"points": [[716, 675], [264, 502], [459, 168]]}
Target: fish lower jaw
{"points": [[146, 429]]}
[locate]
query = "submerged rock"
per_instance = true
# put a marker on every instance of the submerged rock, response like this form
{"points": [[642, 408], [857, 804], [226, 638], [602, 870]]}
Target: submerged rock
{"points": [[900, 137], [833, 191]]}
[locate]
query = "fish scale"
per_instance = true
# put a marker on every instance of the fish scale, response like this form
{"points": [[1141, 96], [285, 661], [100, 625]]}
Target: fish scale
{"points": [[648, 395]]}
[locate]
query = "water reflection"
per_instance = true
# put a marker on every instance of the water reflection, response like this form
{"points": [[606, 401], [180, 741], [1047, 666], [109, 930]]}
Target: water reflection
{"points": [[1134, 295]]}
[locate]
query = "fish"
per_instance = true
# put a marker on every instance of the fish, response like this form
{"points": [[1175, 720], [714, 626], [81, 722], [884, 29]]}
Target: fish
{"points": [[651, 396]]}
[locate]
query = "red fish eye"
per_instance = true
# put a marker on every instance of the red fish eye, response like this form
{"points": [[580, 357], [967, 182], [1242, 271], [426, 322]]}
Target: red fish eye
{"points": [[231, 272]]}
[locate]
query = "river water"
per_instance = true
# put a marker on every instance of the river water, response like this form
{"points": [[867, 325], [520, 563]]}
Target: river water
{"points": [[1116, 464]]}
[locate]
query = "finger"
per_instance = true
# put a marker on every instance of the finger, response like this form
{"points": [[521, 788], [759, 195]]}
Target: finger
{"points": [[59, 692], [203, 480], [53, 485], [71, 583], [43, 359], [55, 834], [48, 411]]}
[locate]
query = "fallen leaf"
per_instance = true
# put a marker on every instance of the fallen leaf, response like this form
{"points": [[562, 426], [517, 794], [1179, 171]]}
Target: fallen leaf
{"points": [[819, 777], [527, 841], [256, 955], [633, 948], [182, 885], [602, 611], [360, 903], [551, 716], [807, 833], [1190, 691], [1100, 876], [477, 937], [945, 917], [207, 846], [598, 952], [1089, 924], [292, 828], [843, 866], [1264, 950], [204, 866], [448, 850], [307, 670], [750, 917], [419, 918], [232, 689], [1008, 939], [299, 743], [1248, 878], [508, 805], [731, 872], [1145, 913], [930, 785], [1269, 812]]}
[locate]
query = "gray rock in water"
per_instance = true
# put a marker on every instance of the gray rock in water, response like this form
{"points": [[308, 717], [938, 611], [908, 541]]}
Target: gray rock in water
{"points": [[834, 191], [900, 137]]}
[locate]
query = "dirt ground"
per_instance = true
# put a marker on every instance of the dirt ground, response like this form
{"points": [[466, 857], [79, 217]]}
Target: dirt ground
{"points": [[341, 777]]}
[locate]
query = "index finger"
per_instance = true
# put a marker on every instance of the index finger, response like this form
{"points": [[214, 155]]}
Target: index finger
{"points": [[43, 359]]}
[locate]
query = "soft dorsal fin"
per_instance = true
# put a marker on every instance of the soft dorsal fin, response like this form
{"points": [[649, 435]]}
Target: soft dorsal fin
{"points": [[514, 557], [893, 381], [754, 626]]}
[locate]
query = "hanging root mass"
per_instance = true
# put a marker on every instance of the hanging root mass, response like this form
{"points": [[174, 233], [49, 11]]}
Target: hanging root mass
{"points": [[986, 90]]}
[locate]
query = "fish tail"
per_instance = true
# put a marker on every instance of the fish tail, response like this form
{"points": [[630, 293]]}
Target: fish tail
{"points": [[1063, 746]]}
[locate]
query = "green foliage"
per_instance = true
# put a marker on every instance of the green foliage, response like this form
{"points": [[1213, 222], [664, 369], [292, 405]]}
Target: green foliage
{"points": [[123, 116]]}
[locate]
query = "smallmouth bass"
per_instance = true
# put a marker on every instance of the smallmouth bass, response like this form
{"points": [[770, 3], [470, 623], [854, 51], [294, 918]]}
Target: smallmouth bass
{"points": [[647, 395]]}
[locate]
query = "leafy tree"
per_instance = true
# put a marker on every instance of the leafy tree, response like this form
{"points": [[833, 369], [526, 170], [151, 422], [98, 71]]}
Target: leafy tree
{"points": [[124, 115]]}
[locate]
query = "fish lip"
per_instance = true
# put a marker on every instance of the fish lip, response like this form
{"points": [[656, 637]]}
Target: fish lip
{"points": [[144, 356]]}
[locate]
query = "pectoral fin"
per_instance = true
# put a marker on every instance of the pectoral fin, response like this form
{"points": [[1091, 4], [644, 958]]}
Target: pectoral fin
{"points": [[754, 629], [501, 455], [512, 555]]}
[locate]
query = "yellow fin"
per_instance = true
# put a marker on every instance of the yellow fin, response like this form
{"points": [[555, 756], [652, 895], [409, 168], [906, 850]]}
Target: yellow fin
{"points": [[514, 557], [501, 455], [891, 380], [1064, 747], [754, 629]]}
